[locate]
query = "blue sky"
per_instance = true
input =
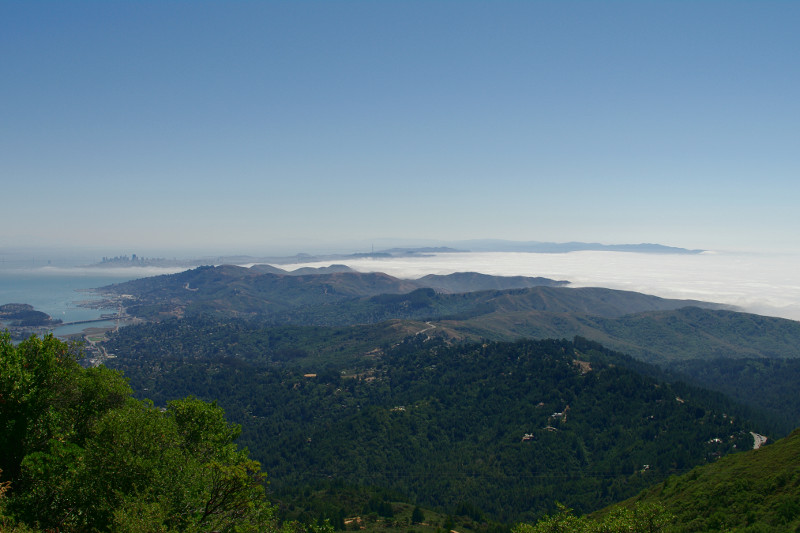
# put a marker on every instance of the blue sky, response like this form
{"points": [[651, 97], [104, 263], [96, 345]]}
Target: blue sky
{"points": [[250, 126]]}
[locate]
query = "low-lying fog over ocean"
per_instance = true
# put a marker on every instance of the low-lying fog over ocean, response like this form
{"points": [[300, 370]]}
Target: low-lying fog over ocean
{"points": [[762, 283]]}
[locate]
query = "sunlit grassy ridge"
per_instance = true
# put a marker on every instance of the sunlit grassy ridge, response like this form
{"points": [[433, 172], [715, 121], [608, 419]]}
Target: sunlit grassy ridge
{"points": [[754, 491]]}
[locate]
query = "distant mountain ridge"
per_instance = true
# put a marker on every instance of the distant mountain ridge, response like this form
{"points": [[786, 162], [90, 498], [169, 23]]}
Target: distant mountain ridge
{"points": [[497, 245], [470, 305], [305, 286], [474, 281], [476, 245], [250, 291], [660, 335]]}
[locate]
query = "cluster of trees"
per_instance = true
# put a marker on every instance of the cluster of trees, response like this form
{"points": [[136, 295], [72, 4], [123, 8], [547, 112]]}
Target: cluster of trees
{"points": [[444, 425], [767, 384], [641, 518], [205, 337], [79, 453]]}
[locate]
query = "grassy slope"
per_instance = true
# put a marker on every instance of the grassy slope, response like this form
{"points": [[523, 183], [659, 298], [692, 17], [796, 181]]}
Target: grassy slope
{"points": [[754, 491], [656, 336]]}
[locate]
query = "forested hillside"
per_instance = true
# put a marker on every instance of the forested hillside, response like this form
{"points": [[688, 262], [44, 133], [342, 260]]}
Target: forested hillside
{"points": [[353, 389], [507, 428], [764, 382]]}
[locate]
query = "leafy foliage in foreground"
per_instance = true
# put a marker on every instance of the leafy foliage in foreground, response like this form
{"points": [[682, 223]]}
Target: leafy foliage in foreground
{"points": [[80, 454], [638, 519]]}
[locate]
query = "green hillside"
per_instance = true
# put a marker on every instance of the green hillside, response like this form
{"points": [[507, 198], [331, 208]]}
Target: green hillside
{"points": [[712, 352], [754, 491], [343, 298], [363, 384], [664, 335], [650, 328], [508, 428]]}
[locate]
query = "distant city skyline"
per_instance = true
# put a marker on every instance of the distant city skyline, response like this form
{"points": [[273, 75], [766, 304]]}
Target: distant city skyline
{"points": [[272, 127]]}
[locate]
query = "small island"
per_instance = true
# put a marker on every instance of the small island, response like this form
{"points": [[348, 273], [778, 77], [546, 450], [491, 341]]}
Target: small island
{"points": [[24, 315], [22, 320]]}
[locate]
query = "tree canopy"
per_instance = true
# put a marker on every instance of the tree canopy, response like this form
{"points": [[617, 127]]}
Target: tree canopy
{"points": [[79, 453]]}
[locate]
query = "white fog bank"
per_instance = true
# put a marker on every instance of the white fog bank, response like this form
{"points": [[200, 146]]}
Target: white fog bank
{"points": [[767, 284]]}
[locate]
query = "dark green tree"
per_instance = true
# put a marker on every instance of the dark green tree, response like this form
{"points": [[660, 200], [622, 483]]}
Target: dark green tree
{"points": [[417, 516]]}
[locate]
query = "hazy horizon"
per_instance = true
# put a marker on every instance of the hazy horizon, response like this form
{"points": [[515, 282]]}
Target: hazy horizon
{"points": [[71, 256]]}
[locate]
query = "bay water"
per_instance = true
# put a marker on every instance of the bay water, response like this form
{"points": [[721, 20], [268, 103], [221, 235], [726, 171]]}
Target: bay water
{"points": [[59, 291]]}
